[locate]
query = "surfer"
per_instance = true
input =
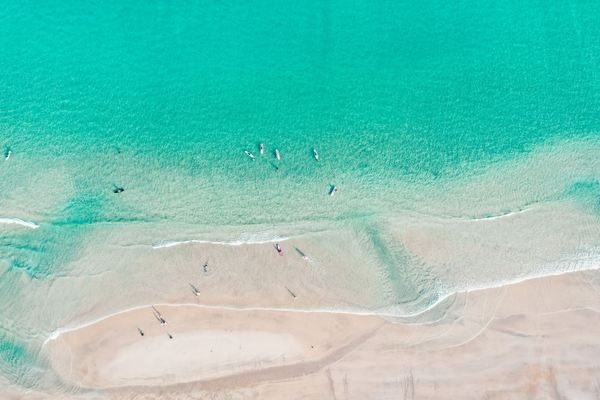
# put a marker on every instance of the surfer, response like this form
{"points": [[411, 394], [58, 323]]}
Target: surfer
{"points": [[249, 154], [118, 189], [8, 154], [316, 154], [279, 249], [262, 149], [333, 190], [277, 155]]}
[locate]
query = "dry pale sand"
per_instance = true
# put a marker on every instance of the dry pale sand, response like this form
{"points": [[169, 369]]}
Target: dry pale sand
{"points": [[537, 339]]}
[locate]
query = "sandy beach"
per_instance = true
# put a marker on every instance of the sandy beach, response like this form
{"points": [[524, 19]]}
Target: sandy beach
{"points": [[535, 339]]}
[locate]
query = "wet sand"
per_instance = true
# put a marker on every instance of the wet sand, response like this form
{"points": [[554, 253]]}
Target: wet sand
{"points": [[534, 339]]}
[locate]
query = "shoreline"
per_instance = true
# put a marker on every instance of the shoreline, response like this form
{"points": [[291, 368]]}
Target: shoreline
{"points": [[523, 340], [18, 221], [173, 243], [355, 312]]}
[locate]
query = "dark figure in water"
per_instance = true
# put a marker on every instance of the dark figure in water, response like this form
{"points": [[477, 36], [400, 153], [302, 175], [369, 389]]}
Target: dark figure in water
{"points": [[118, 189], [140, 331]]}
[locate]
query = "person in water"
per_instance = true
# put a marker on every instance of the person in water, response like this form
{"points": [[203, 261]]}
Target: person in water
{"points": [[118, 189]]}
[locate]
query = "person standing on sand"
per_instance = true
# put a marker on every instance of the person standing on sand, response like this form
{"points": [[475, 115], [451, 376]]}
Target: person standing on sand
{"points": [[158, 316]]}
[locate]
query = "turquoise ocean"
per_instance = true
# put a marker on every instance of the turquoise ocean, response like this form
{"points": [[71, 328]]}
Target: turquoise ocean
{"points": [[443, 112]]}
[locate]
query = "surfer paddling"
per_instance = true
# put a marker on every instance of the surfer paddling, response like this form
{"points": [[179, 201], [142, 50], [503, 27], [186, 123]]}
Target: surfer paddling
{"points": [[277, 155], [262, 149], [333, 190], [279, 249], [249, 154], [316, 154], [8, 154]]}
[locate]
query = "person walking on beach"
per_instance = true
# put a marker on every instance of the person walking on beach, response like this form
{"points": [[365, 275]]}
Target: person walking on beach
{"points": [[279, 249], [304, 256], [195, 290], [158, 316]]}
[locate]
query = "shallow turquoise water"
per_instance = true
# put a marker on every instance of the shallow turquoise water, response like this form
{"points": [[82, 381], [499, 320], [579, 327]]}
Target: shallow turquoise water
{"points": [[162, 99], [393, 91]]}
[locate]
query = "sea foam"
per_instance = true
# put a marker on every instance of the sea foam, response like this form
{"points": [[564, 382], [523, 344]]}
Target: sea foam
{"points": [[20, 222]]}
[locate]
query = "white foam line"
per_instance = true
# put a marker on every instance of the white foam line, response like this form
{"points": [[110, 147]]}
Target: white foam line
{"points": [[478, 217], [17, 221], [55, 334], [166, 244], [499, 216]]}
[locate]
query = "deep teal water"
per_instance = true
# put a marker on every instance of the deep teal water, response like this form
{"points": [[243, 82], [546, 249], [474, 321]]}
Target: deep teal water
{"points": [[162, 98]]}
